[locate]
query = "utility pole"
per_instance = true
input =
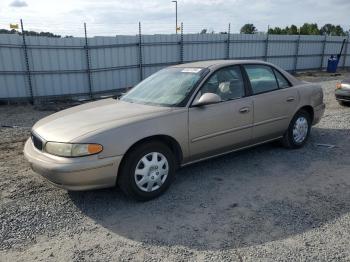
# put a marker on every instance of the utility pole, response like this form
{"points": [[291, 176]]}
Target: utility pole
{"points": [[175, 15]]}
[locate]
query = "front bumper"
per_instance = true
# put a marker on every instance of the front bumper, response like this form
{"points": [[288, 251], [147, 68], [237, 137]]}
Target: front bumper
{"points": [[81, 173], [318, 113], [342, 95]]}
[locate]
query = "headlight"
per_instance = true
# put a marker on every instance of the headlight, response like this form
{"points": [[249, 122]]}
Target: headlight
{"points": [[72, 150]]}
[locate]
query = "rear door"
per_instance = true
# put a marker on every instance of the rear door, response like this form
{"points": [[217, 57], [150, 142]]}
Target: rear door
{"points": [[274, 101], [225, 125]]}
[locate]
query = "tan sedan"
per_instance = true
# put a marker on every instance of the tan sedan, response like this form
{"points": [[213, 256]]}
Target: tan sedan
{"points": [[179, 115]]}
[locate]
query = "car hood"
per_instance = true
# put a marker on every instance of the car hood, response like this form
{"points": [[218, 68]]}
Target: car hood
{"points": [[69, 124]]}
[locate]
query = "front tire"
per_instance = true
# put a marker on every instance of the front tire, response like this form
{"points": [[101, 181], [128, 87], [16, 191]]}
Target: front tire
{"points": [[147, 171], [298, 131]]}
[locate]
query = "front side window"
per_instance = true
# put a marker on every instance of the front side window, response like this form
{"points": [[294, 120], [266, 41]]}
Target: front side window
{"points": [[262, 78], [227, 83], [168, 87]]}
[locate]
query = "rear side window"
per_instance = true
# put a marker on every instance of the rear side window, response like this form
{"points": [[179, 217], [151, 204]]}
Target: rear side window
{"points": [[282, 81], [262, 78]]}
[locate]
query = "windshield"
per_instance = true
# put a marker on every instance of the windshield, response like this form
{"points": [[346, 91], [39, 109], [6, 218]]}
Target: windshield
{"points": [[168, 87]]}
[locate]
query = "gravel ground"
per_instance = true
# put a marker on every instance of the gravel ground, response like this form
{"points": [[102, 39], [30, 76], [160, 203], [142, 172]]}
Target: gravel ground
{"points": [[266, 203]]}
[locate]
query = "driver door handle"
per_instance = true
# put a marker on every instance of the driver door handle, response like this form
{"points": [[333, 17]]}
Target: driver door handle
{"points": [[290, 99], [244, 110]]}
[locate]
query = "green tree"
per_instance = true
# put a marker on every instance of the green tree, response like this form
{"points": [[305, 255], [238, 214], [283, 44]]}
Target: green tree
{"points": [[47, 34], [293, 30], [30, 33], [329, 29], [276, 31], [309, 29], [339, 31], [248, 29], [5, 31]]}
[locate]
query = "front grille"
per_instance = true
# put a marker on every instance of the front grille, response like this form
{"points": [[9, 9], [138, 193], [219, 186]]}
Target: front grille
{"points": [[37, 142]]}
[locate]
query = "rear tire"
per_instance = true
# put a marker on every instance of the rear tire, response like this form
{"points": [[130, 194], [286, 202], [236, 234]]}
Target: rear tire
{"points": [[147, 171], [298, 131]]}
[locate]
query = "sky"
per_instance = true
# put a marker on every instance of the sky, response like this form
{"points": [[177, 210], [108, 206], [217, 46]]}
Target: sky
{"points": [[111, 17]]}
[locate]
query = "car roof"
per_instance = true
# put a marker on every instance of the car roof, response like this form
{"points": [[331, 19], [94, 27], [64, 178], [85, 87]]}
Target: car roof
{"points": [[214, 64]]}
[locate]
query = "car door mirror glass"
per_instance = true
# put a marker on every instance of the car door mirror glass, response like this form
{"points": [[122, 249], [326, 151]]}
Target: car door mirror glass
{"points": [[207, 99]]}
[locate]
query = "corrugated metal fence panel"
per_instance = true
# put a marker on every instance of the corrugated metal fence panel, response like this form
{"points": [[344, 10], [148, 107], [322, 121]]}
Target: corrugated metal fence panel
{"points": [[198, 47], [310, 49], [120, 51], [247, 46], [59, 65], [347, 54], [151, 70], [160, 49], [57, 54], [12, 59], [59, 84], [10, 56], [283, 45]]}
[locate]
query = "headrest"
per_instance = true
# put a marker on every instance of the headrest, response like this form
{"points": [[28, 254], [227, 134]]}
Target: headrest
{"points": [[224, 87]]}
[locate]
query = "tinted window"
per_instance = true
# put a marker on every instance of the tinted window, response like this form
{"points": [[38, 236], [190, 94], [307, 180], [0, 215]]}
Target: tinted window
{"points": [[282, 81], [227, 83], [262, 78]]}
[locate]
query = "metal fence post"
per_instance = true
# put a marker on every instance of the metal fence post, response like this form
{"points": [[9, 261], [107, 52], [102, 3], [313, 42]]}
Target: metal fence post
{"points": [[182, 44], [87, 53], [323, 50], [140, 53], [29, 77], [228, 41], [267, 44], [296, 54], [345, 52]]}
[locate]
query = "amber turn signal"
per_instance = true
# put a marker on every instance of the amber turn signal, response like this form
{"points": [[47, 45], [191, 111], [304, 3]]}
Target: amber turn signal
{"points": [[94, 148]]}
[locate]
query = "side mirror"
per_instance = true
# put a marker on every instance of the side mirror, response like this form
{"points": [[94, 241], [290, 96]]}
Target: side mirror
{"points": [[207, 99]]}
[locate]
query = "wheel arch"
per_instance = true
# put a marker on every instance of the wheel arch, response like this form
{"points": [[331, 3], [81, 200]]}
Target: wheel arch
{"points": [[309, 109], [169, 141]]}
